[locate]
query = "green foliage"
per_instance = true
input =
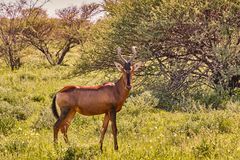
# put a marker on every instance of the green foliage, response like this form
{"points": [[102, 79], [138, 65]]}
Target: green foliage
{"points": [[7, 124], [38, 98], [199, 123], [16, 146], [45, 120], [81, 153], [144, 99], [174, 38], [144, 131], [94, 53], [189, 127], [27, 76], [206, 149], [10, 115], [17, 112]]}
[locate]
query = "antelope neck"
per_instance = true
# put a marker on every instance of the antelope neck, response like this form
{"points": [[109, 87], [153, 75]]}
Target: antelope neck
{"points": [[121, 88]]}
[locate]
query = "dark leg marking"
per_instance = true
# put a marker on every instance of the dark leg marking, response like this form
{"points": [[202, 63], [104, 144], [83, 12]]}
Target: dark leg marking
{"points": [[114, 127]]}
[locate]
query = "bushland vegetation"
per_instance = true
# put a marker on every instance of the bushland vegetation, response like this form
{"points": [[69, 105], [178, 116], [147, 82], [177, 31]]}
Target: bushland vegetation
{"points": [[185, 99]]}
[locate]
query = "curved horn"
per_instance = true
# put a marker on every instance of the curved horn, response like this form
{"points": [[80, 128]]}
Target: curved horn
{"points": [[120, 56], [134, 53]]}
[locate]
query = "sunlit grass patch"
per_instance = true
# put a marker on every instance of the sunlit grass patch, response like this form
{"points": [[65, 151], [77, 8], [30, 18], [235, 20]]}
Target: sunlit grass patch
{"points": [[144, 131]]}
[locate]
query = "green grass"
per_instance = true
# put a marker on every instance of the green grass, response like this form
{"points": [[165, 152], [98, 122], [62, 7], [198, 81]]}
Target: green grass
{"points": [[144, 132]]}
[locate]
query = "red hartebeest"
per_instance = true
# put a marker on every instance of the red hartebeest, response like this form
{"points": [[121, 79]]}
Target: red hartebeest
{"points": [[105, 99]]}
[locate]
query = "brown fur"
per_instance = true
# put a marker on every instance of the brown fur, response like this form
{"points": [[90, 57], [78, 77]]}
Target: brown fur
{"points": [[105, 99], [69, 88], [90, 100]]}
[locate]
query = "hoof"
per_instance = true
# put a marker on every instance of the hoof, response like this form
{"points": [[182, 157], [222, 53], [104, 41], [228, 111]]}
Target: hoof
{"points": [[101, 149]]}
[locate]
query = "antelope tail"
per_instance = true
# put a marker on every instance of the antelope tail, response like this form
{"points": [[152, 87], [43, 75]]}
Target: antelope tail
{"points": [[54, 108]]}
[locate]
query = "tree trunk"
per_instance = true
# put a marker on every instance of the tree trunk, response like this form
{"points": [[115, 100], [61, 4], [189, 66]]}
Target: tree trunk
{"points": [[49, 58], [63, 53], [47, 55], [11, 59]]}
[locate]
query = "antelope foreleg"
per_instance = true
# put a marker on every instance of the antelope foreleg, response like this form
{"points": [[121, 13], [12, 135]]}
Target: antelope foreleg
{"points": [[104, 129], [114, 127]]}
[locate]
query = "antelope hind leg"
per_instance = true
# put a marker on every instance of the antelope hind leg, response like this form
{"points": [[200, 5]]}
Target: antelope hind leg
{"points": [[58, 125], [66, 123]]}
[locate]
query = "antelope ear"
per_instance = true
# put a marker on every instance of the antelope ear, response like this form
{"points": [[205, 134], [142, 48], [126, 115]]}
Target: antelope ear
{"points": [[119, 66], [137, 65]]}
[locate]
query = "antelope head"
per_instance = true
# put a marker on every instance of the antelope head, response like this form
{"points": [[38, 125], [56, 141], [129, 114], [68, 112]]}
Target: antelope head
{"points": [[127, 67]]}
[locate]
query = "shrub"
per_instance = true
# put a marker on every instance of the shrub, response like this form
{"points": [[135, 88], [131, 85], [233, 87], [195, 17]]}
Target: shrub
{"points": [[81, 153], [9, 98], [225, 124], [16, 146], [215, 100], [7, 124], [38, 98], [218, 122], [145, 99], [193, 99], [45, 119], [18, 112], [27, 77], [206, 149]]}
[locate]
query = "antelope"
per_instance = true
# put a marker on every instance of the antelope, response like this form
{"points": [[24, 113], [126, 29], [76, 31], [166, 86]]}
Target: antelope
{"points": [[106, 99]]}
